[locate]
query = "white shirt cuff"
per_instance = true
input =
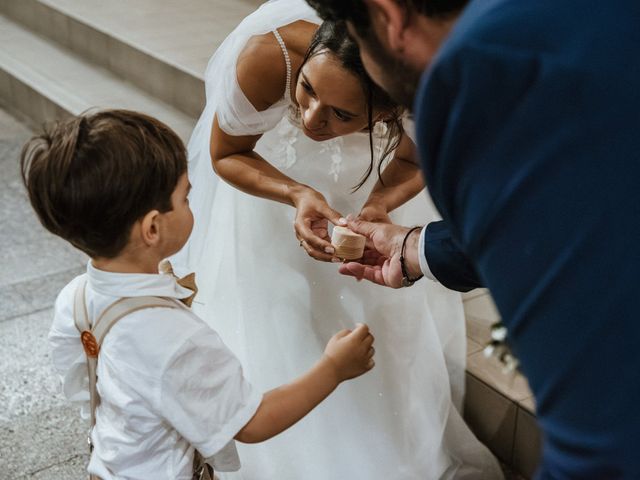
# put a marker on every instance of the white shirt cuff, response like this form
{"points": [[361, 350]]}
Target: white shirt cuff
{"points": [[422, 255]]}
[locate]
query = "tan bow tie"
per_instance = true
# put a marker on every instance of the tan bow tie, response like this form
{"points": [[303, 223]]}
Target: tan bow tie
{"points": [[188, 281]]}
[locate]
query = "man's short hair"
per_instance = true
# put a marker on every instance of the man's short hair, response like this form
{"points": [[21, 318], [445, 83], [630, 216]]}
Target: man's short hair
{"points": [[92, 177], [356, 11]]}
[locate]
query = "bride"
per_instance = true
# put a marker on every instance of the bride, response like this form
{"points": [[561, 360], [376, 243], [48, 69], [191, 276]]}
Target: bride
{"points": [[289, 122]]}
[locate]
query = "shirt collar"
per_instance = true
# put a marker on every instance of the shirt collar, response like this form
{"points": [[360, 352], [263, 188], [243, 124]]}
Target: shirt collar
{"points": [[135, 284]]}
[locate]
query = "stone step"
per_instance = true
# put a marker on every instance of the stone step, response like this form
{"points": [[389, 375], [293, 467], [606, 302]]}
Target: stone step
{"points": [[499, 406], [44, 81], [161, 46]]}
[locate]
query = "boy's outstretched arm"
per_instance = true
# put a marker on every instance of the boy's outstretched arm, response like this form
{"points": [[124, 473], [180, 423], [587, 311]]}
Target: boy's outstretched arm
{"points": [[348, 354]]}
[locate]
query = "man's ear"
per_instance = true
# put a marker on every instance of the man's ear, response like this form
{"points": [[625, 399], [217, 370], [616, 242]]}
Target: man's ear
{"points": [[389, 20], [150, 228]]}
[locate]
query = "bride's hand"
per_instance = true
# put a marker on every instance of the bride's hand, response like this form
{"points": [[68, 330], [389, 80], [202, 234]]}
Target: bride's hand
{"points": [[311, 225], [374, 213]]}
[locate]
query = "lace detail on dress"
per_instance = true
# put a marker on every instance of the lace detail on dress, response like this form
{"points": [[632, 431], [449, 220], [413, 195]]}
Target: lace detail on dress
{"points": [[288, 134], [333, 148]]}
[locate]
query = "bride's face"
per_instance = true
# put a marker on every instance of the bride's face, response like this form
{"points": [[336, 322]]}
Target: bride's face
{"points": [[331, 99]]}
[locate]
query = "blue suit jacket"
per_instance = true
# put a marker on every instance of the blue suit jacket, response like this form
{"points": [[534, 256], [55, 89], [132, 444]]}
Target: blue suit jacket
{"points": [[528, 125]]}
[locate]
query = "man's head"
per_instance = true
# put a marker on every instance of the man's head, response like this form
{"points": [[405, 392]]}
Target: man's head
{"points": [[397, 38], [93, 178]]}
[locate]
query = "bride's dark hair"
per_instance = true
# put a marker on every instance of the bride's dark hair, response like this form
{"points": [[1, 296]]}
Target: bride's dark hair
{"points": [[333, 36]]}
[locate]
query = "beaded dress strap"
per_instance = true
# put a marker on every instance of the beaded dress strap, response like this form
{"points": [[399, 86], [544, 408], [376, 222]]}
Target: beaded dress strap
{"points": [[287, 61]]}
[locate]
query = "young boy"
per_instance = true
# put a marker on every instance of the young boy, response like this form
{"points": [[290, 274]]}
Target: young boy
{"points": [[114, 184]]}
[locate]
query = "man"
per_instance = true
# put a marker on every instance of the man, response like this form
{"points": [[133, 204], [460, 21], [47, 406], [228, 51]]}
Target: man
{"points": [[527, 118]]}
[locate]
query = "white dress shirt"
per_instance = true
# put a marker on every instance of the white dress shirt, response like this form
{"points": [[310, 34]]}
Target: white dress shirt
{"points": [[422, 256], [166, 381]]}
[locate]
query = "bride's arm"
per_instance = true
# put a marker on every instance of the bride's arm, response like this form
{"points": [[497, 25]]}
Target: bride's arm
{"points": [[261, 76], [401, 181], [234, 159]]}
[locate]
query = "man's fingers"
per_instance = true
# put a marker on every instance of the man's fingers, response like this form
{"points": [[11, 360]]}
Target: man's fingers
{"points": [[363, 272], [392, 275], [352, 269], [372, 257], [362, 227]]}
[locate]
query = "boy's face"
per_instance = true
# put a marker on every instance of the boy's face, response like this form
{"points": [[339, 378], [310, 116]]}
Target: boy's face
{"points": [[177, 223]]}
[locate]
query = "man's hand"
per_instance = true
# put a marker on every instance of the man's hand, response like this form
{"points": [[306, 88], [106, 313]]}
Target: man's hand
{"points": [[381, 261]]}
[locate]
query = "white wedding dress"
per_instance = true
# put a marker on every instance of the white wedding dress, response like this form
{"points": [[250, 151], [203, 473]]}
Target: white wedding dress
{"points": [[276, 308]]}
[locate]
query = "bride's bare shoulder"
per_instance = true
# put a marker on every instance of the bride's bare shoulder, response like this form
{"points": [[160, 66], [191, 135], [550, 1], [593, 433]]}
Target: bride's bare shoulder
{"points": [[261, 69]]}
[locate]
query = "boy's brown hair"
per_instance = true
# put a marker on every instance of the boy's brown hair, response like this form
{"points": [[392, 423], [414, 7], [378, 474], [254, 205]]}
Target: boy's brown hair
{"points": [[92, 177]]}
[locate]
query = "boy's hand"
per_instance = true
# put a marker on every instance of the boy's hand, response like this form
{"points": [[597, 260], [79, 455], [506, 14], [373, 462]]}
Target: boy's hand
{"points": [[351, 352]]}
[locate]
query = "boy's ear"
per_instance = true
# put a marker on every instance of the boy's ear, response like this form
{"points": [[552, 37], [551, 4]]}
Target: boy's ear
{"points": [[150, 228]]}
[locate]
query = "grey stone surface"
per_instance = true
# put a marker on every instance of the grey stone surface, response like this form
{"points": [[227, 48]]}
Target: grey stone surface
{"points": [[11, 303], [28, 382], [33, 295], [70, 469], [27, 251], [39, 441], [41, 435]]}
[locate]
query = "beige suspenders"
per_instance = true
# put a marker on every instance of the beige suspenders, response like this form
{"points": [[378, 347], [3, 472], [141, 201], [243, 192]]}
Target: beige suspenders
{"points": [[92, 336]]}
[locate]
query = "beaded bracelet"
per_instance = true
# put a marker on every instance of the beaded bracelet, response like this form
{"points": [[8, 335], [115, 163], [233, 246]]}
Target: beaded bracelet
{"points": [[407, 281]]}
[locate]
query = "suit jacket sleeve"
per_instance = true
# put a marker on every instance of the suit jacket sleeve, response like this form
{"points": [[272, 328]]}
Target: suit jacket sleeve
{"points": [[447, 261]]}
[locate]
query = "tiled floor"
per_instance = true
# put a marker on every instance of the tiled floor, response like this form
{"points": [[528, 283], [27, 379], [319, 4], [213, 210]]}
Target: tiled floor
{"points": [[499, 406]]}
